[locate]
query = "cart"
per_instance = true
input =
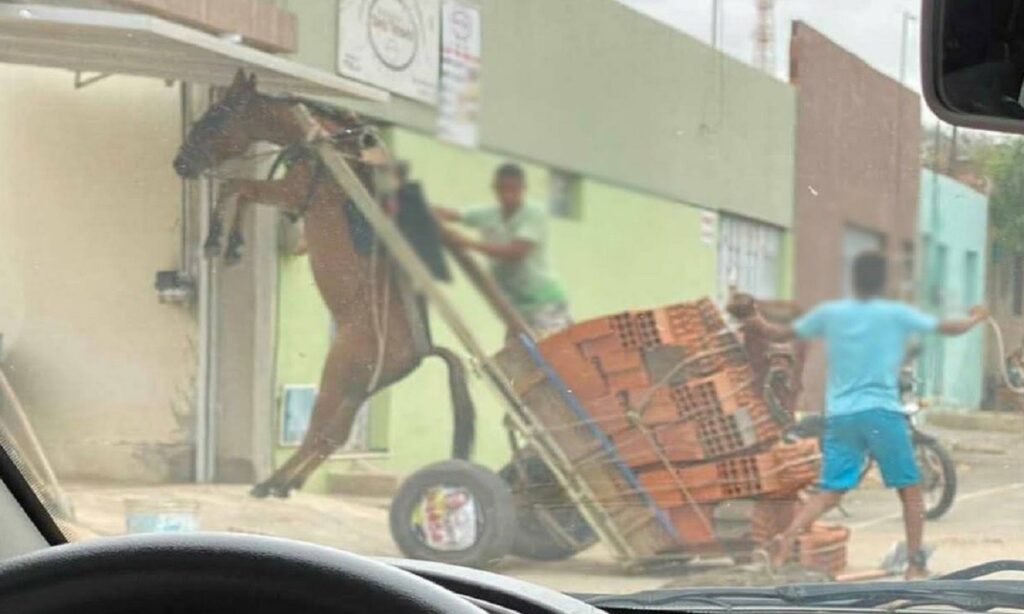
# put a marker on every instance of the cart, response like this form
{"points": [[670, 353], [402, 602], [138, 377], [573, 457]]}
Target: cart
{"points": [[573, 480]]}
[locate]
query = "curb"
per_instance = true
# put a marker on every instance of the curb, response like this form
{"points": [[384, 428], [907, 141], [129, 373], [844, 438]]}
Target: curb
{"points": [[1005, 422]]}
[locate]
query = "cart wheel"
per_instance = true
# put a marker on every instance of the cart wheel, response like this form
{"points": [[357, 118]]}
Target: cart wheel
{"points": [[550, 528], [454, 512]]}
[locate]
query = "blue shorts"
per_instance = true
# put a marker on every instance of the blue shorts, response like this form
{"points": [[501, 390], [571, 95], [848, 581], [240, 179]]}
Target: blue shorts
{"points": [[850, 439]]}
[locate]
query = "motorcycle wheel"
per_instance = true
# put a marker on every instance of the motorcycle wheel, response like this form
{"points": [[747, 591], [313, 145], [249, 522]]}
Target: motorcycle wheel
{"points": [[938, 477]]}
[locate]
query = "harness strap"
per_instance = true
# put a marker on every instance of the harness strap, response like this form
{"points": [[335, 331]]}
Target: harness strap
{"points": [[296, 153], [314, 183]]}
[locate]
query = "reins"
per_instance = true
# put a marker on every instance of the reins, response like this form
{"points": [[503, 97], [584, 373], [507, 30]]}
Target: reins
{"points": [[1000, 344], [295, 152]]}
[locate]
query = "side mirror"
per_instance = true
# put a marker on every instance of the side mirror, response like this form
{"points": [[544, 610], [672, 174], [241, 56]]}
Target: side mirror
{"points": [[972, 62]]}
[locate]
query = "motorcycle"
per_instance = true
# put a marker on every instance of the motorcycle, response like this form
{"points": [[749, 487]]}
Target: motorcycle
{"points": [[938, 471]]}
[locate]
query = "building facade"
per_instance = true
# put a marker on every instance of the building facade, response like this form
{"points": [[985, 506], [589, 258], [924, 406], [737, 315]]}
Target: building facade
{"points": [[658, 177], [666, 166], [1005, 298], [857, 176], [953, 231], [88, 213]]}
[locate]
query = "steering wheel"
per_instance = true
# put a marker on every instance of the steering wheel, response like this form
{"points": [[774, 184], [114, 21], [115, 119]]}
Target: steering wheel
{"points": [[172, 574]]}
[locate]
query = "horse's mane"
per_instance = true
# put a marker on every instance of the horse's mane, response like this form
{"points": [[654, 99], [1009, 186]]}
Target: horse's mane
{"points": [[316, 107]]}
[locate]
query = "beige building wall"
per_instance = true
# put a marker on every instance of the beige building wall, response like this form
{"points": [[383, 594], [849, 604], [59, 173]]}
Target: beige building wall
{"points": [[89, 211]]}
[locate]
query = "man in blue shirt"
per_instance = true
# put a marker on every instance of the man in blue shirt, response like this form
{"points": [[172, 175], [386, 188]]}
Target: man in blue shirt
{"points": [[865, 342]]}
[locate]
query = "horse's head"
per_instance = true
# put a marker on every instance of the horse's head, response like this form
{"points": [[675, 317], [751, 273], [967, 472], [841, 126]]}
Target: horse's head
{"points": [[221, 133], [243, 116]]}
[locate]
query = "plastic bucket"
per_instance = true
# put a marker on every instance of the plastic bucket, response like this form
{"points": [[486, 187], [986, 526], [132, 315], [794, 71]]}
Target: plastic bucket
{"points": [[161, 516]]}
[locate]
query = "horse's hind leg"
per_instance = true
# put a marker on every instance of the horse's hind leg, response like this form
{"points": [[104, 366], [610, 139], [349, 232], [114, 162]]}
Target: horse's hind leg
{"points": [[334, 435], [334, 403]]}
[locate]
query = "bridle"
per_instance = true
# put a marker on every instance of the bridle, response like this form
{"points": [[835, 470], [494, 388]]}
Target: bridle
{"points": [[362, 136], [342, 138]]}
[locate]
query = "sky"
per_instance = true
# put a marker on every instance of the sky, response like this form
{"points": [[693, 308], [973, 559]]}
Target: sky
{"points": [[872, 29]]}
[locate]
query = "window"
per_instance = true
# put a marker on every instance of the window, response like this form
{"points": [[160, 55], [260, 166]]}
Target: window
{"points": [[748, 257], [564, 199], [297, 408], [908, 271], [970, 278], [941, 268]]}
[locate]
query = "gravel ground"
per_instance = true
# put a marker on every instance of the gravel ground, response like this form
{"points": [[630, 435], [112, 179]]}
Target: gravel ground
{"points": [[987, 522]]}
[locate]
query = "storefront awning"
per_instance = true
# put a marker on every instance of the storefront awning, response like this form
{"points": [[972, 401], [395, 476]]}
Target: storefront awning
{"points": [[113, 42]]}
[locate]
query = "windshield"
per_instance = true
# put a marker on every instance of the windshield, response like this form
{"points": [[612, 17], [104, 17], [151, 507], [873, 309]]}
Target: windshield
{"points": [[604, 295]]}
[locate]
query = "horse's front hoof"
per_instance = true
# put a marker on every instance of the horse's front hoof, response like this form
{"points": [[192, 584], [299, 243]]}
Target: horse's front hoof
{"points": [[260, 491], [281, 492]]}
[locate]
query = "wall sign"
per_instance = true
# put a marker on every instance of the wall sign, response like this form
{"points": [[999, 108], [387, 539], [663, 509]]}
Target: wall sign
{"points": [[392, 44], [708, 227], [459, 98]]}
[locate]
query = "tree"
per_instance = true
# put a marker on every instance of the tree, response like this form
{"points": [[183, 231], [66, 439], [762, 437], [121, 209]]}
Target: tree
{"points": [[1005, 166]]}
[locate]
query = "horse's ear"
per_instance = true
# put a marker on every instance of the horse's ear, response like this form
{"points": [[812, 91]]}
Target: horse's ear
{"points": [[239, 81]]}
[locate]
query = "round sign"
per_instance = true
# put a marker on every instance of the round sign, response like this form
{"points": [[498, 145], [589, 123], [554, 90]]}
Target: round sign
{"points": [[462, 24], [393, 33]]}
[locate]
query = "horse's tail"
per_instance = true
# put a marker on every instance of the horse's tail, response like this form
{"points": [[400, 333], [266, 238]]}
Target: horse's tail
{"points": [[464, 412]]}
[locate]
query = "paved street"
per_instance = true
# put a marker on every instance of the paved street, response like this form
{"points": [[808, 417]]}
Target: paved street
{"points": [[986, 522]]}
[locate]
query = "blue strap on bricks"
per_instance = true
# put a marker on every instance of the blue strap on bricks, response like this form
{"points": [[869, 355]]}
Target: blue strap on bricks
{"points": [[581, 413]]}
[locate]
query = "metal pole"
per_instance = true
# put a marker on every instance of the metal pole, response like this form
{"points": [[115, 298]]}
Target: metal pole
{"points": [[184, 260], [932, 281], [31, 443], [714, 24], [206, 307], [907, 18], [952, 154]]}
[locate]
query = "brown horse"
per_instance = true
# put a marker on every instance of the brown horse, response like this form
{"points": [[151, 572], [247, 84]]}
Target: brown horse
{"points": [[375, 343]]}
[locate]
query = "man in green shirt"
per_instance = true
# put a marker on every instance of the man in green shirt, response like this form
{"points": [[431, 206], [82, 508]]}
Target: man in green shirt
{"points": [[513, 235]]}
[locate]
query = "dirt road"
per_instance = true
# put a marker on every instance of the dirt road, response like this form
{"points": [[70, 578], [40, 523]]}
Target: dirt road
{"points": [[987, 522]]}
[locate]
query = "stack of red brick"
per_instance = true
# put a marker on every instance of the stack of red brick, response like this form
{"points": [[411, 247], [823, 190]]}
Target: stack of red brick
{"points": [[672, 390]]}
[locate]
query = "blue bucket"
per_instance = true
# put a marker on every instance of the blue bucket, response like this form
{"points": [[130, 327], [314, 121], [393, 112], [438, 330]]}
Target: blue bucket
{"points": [[161, 516]]}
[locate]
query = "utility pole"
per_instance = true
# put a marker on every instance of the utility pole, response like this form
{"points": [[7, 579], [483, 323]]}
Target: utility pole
{"points": [[715, 8], [907, 18], [951, 163], [764, 37]]}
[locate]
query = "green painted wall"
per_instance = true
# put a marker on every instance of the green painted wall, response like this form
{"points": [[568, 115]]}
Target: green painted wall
{"points": [[956, 217], [649, 117], [304, 324], [593, 87], [303, 340], [626, 250]]}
